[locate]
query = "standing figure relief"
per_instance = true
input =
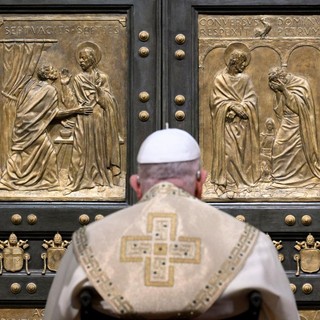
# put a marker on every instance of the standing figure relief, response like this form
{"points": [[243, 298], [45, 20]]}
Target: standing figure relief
{"points": [[89, 143], [266, 143], [95, 159], [258, 78], [32, 163], [233, 105], [63, 134], [285, 155], [295, 155]]}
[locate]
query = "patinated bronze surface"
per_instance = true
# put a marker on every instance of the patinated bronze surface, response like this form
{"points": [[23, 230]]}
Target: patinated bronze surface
{"points": [[13, 256], [63, 99], [308, 259], [260, 107], [24, 313], [56, 249]]}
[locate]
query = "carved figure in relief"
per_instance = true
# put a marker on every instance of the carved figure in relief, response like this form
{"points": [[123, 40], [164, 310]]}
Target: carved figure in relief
{"points": [[266, 28], [295, 161], [235, 154], [32, 164], [95, 160], [267, 139]]}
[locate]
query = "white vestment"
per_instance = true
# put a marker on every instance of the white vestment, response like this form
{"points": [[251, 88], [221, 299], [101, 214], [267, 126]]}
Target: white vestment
{"points": [[168, 256]]}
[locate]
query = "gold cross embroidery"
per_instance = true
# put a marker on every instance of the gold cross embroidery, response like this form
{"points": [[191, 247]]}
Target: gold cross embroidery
{"points": [[160, 249]]}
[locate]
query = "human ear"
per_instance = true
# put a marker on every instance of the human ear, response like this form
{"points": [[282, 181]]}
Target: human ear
{"points": [[135, 185], [201, 178]]}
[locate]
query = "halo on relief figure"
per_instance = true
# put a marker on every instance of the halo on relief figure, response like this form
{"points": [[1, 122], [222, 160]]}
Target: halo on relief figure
{"points": [[239, 47], [91, 45]]}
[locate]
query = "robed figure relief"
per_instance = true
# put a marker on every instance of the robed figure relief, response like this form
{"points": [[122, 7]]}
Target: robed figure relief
{"points": [[264, 106], [32, 164], [267, 137], [235, 154], [96, 158], [62, 103], [295, 155]]}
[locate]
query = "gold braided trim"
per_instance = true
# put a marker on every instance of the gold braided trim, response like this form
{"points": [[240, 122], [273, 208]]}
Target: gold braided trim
{"points": [[98, 277], [228, 270]]}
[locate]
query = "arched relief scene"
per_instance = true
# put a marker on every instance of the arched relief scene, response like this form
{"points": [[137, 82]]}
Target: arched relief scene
{"points": [[260, 107], [63, 87]]}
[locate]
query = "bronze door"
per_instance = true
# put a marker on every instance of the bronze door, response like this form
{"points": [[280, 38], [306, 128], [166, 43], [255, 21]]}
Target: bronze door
{"points": [[252, 139], [157, 62]]}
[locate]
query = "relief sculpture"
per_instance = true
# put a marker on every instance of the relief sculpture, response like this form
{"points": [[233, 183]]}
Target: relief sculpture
{"points": [[258, 78], [32, 164], [96, 147], [235, 136], [13, 256], [308, 258], [63, 104], [266, 145], [56, 249], [294, 153]]}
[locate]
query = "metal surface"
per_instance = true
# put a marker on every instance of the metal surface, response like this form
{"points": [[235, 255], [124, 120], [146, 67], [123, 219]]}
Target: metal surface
{"points": [[82, 47], [253, 115], [209, 26], [186, 42], [38, 214]]}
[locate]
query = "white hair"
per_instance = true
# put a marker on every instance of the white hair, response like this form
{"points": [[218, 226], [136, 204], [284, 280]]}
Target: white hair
{"points": [[185, 172]]}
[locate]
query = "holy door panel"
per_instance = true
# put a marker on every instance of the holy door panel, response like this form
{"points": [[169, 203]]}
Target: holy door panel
{"points": [[258, 78], [157, 62], [63, 133], [243, 78], [78, 90]]}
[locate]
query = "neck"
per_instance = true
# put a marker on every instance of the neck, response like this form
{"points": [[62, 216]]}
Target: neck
{"points": [[190, 188]]}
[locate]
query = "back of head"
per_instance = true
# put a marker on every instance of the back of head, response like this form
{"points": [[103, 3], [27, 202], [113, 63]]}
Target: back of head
{"points": [[169, 155]]}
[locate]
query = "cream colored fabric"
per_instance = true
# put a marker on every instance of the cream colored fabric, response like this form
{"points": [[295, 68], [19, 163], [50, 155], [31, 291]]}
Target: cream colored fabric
{"points": [[123, 257]]}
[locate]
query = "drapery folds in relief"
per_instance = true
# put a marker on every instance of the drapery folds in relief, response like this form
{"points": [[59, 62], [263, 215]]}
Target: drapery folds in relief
{"points": [[73, 154], [19, 62], [295, 156], [32, 163], [235, 155], [95, 159], [264, 144]]}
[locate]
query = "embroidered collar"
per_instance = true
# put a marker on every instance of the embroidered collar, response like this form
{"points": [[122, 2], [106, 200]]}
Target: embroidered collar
{"points": [[166, 188]]}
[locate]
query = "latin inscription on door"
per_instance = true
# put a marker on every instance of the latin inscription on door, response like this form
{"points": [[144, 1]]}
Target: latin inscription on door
{"points": [[63, 98], [260, 106]]}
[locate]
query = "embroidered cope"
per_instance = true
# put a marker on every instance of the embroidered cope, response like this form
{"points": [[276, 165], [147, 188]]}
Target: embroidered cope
{"points": [[168, 246]]}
